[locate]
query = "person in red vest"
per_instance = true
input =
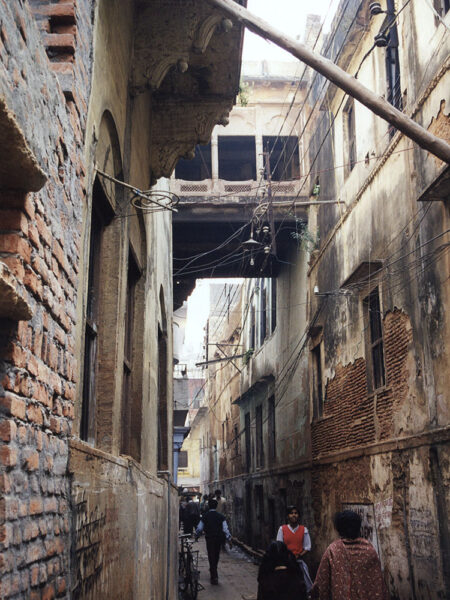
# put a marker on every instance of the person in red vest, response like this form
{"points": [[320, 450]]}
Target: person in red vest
{"points": [[296, 537]]}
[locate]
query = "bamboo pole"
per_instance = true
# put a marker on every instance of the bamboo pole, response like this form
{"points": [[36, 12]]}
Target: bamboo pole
{"points": [[378, 105]]}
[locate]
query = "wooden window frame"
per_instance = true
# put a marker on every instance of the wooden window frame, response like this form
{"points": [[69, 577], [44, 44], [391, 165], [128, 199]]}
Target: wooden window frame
{"points": [[134, 273], [183, 464], [317, 387], [248, 442], [101, 216], [350, 156], [373, 325], [236, 440], [259, 439], [271, 425]]}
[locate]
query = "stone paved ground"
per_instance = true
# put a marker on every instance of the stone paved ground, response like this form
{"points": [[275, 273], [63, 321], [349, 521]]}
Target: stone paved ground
{"points": [[237, 575]]}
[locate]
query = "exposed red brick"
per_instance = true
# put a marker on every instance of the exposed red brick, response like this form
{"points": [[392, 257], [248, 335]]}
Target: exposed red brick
{"points": [[5, 535], [14, 243], [33, 235], [15, 264], [62, 10], [35, 551], [61, 586], [33, 283], [8, 456], [31, 460], [13, 220], [5, 483], [48, 593], [64, 42], [13, 406], [50, 505], [8, 430], [36, 506], [34, 575], [30, 531], [43, 230], [34, 414]]}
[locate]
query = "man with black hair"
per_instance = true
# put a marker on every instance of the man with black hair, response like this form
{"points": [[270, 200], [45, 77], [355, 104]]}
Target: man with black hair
{"points": [[216, 531], [350, 568], [221, 502], [297, 539]]}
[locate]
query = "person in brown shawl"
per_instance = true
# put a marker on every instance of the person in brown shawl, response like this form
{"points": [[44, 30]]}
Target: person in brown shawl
{"points": [[350, 568]]}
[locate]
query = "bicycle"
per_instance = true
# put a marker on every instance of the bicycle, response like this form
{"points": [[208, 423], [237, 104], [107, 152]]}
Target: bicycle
{"points": [[188, 573]]}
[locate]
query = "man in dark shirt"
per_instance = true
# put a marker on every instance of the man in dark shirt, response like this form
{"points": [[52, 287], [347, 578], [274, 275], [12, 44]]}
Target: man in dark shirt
{"points": [[192, 516], [216, 530]]}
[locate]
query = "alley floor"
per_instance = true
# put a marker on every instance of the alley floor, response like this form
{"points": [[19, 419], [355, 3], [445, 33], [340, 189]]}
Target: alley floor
{"points": [[237, 575]]}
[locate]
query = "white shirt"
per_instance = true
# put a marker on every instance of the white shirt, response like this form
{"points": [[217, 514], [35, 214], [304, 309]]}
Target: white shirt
{"points": [[306, 537]]}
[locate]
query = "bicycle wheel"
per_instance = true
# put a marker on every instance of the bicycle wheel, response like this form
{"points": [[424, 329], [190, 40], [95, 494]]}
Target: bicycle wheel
{"points": [[192, 578], [182, 572]]}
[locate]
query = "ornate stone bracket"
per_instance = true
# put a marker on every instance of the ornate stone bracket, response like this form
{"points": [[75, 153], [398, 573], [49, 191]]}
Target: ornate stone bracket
{"points": [[190, 123]]}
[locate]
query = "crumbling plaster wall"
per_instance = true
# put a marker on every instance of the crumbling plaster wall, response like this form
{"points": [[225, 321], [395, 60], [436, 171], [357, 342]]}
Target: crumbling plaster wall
{"points": [[353, 445], [137, 538]]}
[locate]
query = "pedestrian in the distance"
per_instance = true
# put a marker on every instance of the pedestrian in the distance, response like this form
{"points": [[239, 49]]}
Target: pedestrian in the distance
{"points": [[182, 513], [216, 531], [204, 505], [297, 539], [280, 575], [350, 568], [221, 502], [192, 516]]}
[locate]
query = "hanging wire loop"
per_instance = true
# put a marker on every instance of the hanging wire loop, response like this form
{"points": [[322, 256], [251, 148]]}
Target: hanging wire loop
{"points": [[149, 200]]}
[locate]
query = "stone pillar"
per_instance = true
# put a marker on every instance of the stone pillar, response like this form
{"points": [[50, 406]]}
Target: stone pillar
{"points": [[214, 157], [259, 156]]}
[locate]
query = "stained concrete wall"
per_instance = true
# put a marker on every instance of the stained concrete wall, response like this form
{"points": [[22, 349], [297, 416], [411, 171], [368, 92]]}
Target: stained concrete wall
{"points": [[383, 452]]}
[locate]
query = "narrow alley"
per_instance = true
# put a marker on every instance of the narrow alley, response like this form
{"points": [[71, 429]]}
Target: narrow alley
{"points": [[237, 575], [224, 286]]}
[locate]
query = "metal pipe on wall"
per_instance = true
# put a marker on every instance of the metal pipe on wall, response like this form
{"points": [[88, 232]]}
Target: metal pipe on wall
{"points": [[354, 88]]}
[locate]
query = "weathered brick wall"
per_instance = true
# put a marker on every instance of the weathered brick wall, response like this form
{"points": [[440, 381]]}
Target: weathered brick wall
{"points": [[40, 244], [352, 417]]}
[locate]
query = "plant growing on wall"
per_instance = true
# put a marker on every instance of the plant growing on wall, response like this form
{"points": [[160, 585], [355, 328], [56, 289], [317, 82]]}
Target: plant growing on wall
{"points": [[247, 356], [243, 93], [305, 238]]}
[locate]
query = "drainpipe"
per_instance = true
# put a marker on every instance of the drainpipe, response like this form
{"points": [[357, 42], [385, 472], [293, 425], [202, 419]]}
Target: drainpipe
{"points": [[169, 474]]}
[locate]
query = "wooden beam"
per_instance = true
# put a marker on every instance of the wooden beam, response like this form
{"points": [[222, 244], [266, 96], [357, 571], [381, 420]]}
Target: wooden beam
{"points": [[378, 105]]}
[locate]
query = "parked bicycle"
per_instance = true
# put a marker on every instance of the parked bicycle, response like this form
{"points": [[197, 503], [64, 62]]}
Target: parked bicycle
{"points": [[188, 573]]}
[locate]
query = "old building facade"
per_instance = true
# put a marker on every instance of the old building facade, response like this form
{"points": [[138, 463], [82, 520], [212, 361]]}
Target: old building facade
{"points": [[91, 91], [344, 402]]}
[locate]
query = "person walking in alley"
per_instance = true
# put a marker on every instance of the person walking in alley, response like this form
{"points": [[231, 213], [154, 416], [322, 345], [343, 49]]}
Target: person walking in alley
{"points": [[204, 505], [192, 515], [350, 568], [280, 575], [221, 503], [216, 531], [297, 539]]}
